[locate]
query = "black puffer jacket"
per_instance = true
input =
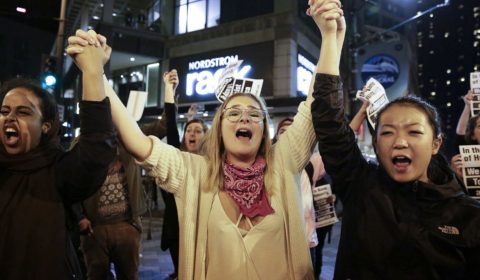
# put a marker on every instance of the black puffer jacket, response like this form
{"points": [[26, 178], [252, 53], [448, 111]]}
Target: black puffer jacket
{"points": [[392, 230]]}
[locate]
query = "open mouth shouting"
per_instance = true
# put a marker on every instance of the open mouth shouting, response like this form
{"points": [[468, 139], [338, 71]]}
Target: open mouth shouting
{"points": [[401, 163], [11, 136], [243, 134]]}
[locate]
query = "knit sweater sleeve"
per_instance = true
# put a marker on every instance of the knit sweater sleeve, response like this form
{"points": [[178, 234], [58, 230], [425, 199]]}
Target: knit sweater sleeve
{"points": [[297, 143], [167, 165]]}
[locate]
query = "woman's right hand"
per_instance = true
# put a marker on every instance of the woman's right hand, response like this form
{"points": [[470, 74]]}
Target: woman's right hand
{"points": [[467, 98], [457, 165]]}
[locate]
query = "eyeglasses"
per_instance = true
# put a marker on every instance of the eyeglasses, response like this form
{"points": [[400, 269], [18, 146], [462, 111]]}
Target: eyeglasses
{"points": [[235, 114]]}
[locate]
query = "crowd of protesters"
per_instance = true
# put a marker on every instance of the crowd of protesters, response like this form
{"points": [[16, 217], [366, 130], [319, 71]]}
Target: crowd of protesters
{"points": [[238, 206]]}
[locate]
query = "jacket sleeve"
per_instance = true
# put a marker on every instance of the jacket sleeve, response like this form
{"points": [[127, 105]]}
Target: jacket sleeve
{"points": [[83, 169], [173, 137], [336, 141], [296, 144]]}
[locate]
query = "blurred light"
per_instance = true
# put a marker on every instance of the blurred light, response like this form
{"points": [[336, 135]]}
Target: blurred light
{"points": [[449, 104], [50, 80], [447, 34], [205, 114], [448, 82], [114, 14], [431, 15], [96, 17], [449, 71], [462, 79], [159, 117], [21, 10], [182, 116], [132, 58], [433, 93]]}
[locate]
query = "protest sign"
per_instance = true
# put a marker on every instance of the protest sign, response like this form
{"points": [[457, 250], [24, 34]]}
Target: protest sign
{"points": [[136, 103], [229, 85], [375, 95], [471, 169], [475, 86], [324, 211]]}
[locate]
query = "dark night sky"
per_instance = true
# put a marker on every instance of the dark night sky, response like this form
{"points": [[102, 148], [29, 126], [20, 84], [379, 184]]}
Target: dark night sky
{"points": [[40, 14]]}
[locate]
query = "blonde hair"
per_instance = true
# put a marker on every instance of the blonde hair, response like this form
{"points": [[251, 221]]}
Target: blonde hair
{"points": [[214, 151]]}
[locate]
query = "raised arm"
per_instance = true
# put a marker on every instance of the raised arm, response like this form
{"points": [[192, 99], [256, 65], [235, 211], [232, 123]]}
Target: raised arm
{"points": [[465, 116], [299, 139], [84, 168], [336, 140], [333, 35], [171, 82], [135, 142]]}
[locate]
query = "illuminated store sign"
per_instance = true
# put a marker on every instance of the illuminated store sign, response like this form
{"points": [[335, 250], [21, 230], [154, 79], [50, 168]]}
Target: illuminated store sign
{"points": [[383, 67], [205, 74], [305, 69], [199, 74]]}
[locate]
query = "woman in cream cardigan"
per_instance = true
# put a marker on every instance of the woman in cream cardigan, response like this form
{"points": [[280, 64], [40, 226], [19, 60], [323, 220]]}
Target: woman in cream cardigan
{"points": [[238, 219]]}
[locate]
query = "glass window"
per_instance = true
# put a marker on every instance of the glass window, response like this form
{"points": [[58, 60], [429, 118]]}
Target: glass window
{"points": [[153, 84], [192, 15]]}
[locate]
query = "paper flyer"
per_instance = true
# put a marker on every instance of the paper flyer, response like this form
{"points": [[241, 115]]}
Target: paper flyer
{"points": [[475, 86], [136, 103], [229, 85], [375, 94], [471, 169], [324, 212]]}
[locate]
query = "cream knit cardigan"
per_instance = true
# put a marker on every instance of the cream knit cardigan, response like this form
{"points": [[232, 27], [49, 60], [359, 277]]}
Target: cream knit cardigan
{"points": [[181, 174]]}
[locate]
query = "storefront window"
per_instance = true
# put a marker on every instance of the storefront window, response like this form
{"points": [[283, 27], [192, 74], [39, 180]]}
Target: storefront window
{"points": [[192, 15]]}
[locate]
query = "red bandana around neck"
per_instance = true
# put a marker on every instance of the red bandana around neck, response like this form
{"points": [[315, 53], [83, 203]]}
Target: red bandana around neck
{"points": [[246, 187]]}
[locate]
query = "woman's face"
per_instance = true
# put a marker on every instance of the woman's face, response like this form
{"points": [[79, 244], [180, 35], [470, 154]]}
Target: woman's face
{"points": [[193, 136], [21, 121], [405, 143], [242, 129], [476, 131]]}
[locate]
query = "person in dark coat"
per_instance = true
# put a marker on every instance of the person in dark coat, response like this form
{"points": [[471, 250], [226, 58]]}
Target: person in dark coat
{"points": [[406, 217], [38, 178]]}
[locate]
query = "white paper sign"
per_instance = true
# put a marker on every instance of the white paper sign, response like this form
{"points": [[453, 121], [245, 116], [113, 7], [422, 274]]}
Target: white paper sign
{"points": [[375, 94], [136, 103], [475, 103], [324, 212], [475, 80], [475, 86], [229, 85], [471, 169]]}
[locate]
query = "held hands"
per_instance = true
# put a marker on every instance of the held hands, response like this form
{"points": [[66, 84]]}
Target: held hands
{"points": [[328, 15], [171, 79], [89, 50]]}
